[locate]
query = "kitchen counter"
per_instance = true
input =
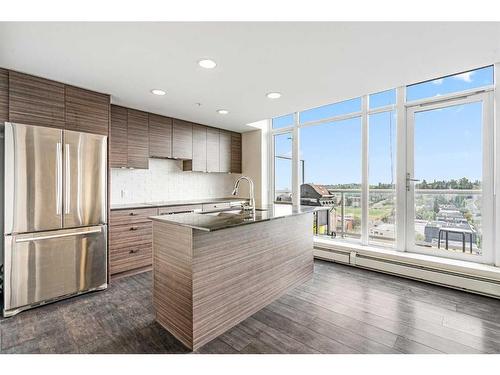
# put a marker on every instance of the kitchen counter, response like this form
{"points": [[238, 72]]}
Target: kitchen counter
{"points": [[128, 206], [232, 218], [212, 271]]}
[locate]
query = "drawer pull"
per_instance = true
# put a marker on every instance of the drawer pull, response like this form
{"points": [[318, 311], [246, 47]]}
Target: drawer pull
{"points": [[132, 214], [133, 251], [134, 228]]}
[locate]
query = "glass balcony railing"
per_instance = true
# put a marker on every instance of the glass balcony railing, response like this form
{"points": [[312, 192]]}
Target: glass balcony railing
{"points": [[447, 219]]}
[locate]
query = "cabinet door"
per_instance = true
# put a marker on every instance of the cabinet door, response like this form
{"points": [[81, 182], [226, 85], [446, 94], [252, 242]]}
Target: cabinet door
{"points": [[160, 136], [235, 152], [35, 101], [224, 151], [137, 139], [86, 111], [182, 140], [4, 95], [199, 163], [213, 164], [118, 143]]}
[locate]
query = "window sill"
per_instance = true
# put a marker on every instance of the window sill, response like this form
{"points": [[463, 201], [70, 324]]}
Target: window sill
{"points": [[420, 260]]}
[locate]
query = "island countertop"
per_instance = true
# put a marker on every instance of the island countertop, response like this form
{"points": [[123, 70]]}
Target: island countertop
{"points": [[233, 218]]}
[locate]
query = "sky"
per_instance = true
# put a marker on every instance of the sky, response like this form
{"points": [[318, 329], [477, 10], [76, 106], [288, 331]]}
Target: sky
{"points": [[448, 142]]}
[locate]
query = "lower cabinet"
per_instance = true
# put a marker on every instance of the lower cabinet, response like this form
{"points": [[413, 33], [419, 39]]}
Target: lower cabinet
{"points": [[130, 240]]}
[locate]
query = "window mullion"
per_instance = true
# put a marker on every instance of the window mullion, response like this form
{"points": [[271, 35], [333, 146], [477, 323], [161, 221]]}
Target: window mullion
{"points": [[364, 171]]}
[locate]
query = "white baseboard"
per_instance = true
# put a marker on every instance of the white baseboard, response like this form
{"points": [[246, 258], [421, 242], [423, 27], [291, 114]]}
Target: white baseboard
{"points": [[471, 277]]}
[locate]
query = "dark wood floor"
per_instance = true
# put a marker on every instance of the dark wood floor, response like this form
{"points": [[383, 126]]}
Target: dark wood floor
{"points": [[342, 310]]}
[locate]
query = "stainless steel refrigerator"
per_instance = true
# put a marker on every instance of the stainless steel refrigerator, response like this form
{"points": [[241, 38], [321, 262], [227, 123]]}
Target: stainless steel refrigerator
{"points": [[54, 233]]}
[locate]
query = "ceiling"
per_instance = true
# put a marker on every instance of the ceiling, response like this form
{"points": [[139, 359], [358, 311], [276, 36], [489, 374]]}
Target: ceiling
{"points": [[310, 63]]}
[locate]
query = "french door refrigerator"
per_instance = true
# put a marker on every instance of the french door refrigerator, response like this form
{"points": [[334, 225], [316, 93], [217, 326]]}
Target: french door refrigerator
{"points": [[54, 214]]}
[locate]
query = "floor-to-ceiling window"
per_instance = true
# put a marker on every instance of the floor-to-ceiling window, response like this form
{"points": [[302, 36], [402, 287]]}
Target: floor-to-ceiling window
{"points": [[435, 138]]}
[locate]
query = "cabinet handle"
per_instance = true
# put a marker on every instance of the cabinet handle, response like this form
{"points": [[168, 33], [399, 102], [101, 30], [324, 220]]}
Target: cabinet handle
{"points": [[133, 251], [132, 214], [134, 228]]}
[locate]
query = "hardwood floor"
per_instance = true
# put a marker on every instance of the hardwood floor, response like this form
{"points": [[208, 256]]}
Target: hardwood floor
{"points": [[341, 310]]}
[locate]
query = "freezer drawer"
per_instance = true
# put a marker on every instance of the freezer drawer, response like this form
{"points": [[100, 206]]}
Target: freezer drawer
{"points": [[40, 267]]}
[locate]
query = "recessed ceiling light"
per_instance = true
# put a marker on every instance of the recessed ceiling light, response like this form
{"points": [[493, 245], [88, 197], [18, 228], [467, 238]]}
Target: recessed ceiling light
{"points": [[273, 95], [158, 92], [222, 111], [207, 63]]}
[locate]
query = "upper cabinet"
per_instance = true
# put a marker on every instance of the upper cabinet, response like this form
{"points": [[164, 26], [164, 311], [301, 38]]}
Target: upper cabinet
{"points": [[36, 101], [31, 100], [160, 136], [137, 139], [199, 161], [118, 143], [224, 151], [182, 140], [213, 164], [235, 152], [86, 111], [4, 95], [129, 138]]}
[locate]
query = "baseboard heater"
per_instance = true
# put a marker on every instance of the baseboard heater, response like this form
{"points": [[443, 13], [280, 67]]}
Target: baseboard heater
{"points": [[434, 275]]}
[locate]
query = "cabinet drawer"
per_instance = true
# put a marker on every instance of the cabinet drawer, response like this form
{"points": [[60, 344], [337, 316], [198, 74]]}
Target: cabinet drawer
{"points": [[216, 206], [123, 217], [178, 209], [130, 258], [123, 236]]}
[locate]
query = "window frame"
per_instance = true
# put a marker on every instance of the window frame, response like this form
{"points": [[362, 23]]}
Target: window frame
{"points": [[400, 109]]}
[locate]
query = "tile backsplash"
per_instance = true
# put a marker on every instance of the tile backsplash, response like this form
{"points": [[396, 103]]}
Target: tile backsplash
{"points": [[165, 181]]}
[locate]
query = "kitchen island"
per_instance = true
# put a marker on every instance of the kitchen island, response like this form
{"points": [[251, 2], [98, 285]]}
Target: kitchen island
{"points": [[213, 270]]}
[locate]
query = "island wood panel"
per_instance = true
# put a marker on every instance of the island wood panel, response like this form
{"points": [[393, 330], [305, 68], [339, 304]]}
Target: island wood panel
{"points": [[220, 278], [160, 136], [224, 151], [235, 152], [118, 143], [182, 139], [4, 95], [199, 161], [172, 280], [137, 139], [239, 271], [213, 162], [36, 101], [86, 111]]}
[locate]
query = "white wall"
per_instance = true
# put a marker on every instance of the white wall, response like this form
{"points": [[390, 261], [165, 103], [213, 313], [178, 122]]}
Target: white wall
{"points": [[255, 161], [165, 181]]}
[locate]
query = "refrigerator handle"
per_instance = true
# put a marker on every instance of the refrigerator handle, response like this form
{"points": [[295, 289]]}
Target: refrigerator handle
{"points": [[67, 171], [50, 236], [58, 178]]}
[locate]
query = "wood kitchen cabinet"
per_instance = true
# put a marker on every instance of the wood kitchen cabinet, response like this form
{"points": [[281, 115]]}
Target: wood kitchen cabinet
{"points": [[86, 111], [4, 95], [160, 136], [198, 163], [137, 139], [224, 151], [129, 138], [235, 152], [130, 240], [182, 140], [213, 150], [118, 143], [36, 101]]}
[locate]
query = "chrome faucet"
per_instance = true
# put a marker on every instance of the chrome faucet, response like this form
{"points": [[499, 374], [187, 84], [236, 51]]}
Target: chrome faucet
{"points": [[251, 204]]}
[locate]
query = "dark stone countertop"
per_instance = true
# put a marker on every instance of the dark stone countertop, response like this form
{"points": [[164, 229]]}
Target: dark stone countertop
{"points": [[128, 206], [228, 219]]}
